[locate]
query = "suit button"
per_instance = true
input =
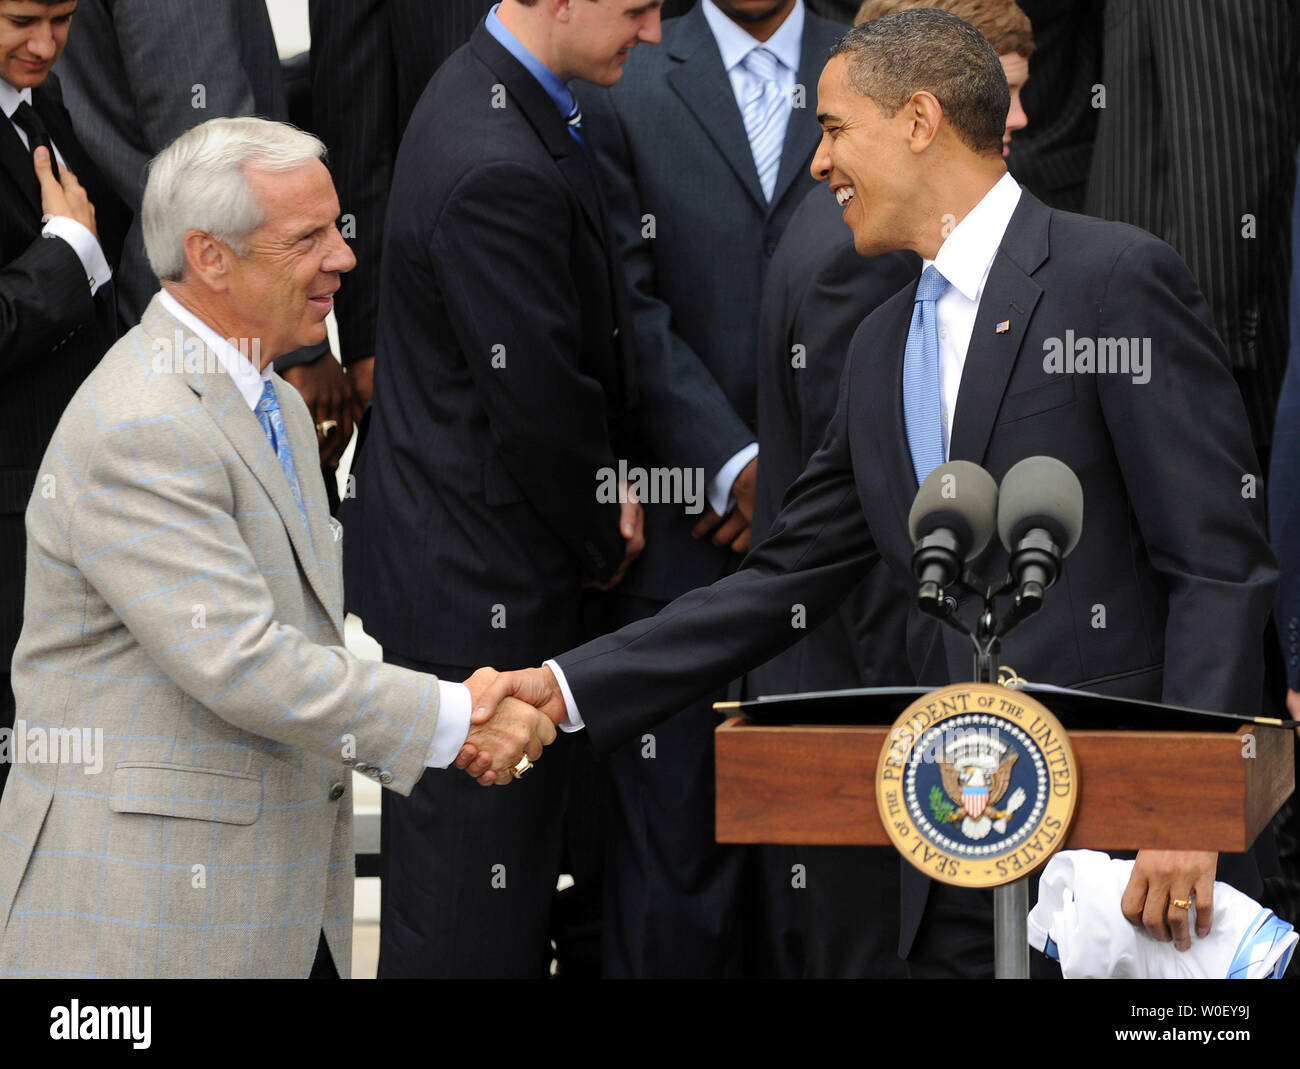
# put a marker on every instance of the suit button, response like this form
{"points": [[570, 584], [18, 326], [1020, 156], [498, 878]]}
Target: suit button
{"points": [[336, 792], [385, 777], [769, 246]]}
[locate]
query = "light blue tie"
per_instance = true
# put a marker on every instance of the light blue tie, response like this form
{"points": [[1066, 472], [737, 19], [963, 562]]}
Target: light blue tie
{"points": [[268, 415], [765, 109], [922, 400]]}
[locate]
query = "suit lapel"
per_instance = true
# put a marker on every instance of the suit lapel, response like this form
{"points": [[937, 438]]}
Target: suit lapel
{"points": [[539, 109], [1009, 297], [18, 162], [883, 385], [222, 400], [701, 82]]}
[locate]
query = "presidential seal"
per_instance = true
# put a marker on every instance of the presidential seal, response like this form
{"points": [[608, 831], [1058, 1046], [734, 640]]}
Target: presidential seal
{"points": [[977, 784]]}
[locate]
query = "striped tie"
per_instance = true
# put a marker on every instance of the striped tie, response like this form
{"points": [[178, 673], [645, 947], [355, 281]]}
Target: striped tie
{"points": [[922, 403], [766, 113]]}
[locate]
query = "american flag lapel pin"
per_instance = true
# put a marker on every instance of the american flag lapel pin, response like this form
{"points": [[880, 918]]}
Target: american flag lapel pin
{"points": [[1002, 327]]}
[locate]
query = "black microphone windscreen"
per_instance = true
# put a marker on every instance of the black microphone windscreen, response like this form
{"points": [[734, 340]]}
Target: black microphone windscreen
{"points": [[960, 496], [1040, 492]]}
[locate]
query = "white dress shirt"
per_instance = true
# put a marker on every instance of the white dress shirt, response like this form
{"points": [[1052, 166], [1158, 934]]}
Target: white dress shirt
{"points": [[964, 259], [83, 242], [454, 703]]}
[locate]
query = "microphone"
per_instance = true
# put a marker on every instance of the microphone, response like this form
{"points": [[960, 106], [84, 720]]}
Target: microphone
{"points": [[1040, 517], [952, 520]]}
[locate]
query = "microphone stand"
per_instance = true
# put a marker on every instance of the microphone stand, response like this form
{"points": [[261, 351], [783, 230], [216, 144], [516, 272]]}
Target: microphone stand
{"points": [[1011, 900]]}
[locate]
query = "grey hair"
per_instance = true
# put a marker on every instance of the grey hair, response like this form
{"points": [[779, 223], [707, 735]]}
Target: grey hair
{"points": [[200, 182]]}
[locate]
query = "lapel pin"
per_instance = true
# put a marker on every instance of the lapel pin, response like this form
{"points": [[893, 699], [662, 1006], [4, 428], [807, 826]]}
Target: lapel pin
{"points": [[1003, 327]]}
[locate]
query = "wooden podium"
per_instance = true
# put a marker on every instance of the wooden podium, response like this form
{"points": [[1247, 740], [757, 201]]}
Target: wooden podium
{"points": [[1192, 790], [1177, 788]]}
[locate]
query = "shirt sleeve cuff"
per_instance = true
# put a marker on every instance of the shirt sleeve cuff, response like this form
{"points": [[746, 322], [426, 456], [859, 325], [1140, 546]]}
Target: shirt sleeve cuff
{"points": [[574, 721], [85, 245], [454, 708], [719, 490]]}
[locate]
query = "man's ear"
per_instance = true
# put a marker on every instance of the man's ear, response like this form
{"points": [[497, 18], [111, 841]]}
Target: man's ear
{"points": [[924, 116], [208, 261]]}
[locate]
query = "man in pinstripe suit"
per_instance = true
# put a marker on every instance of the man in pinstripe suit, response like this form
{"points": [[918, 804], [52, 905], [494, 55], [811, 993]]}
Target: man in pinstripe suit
{"points": [[184, 599]]}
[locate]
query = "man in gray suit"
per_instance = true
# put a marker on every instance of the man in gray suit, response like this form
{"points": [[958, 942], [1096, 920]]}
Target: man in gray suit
{"points": [[183, 629]]}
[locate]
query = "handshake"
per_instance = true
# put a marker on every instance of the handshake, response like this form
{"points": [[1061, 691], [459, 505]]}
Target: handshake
{"points": [[514, 716]]}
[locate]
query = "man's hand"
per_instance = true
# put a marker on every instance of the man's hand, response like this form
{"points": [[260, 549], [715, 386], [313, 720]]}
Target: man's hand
{"points": [[631, 524], [732, 530], [361, 374], [503, 728], [328, 394], [1159, 878], [63, 195], [1293, 707], [536, 687]]}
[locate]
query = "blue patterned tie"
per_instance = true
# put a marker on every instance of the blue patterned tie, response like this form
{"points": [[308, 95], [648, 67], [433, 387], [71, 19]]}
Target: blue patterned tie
{"points": [[765, 106], [268, 415], [922, 399]]}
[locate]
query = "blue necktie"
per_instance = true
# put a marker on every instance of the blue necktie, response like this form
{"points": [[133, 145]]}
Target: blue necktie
{"points": [[574, 119], [922, 399], [268, 415], [765, 107]]}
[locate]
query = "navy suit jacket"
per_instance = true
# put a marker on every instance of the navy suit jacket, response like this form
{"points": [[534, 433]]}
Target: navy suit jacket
{"points": [[672, 144], [500, 379], [1165, 596]]}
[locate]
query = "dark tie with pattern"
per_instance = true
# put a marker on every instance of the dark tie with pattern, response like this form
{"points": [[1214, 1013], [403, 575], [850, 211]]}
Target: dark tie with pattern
{"points": [[25, 116]]}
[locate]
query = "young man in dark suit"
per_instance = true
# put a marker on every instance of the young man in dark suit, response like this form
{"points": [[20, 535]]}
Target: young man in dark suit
{"points": [[501, 377], [1172, 550], [57, 315]]}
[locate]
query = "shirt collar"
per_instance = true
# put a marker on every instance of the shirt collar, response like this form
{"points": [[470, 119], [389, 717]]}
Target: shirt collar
{"points": [[735, 43], [11, 97], [967, 253], [559, 93], [247, 378]]}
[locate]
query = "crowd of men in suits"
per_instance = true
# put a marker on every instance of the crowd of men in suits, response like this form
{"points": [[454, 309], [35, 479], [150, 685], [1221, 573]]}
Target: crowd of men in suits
{"points": [[563, 239]]}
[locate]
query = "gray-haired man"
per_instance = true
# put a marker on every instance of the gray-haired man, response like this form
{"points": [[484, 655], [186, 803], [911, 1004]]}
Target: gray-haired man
{"points": [[184, 599]]}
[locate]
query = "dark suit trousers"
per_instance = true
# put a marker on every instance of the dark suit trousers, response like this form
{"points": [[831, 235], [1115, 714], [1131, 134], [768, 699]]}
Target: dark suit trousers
{"points": [[469, 872], [678, 903]]}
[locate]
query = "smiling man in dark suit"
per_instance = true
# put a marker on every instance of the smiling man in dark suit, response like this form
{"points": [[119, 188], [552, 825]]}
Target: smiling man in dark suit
{"points": [[1172, 549], [57, 315], [501, 375]]}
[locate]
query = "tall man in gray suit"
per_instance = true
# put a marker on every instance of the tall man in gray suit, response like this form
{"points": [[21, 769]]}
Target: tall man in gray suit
{"points": [[182, 647], [705, 146]]}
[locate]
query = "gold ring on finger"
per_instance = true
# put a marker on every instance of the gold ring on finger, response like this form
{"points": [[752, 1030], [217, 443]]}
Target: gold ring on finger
{"points": [[326, 427], [1181, 903], [521, 766]]}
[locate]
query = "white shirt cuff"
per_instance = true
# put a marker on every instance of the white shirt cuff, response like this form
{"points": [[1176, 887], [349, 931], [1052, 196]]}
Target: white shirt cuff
{"points": [[574, 722], [454, 708], [719, 491], [85, 245]]}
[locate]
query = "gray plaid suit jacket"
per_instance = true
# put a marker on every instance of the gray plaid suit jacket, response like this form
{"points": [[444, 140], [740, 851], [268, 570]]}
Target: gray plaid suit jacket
{"points": [[176, 601]]}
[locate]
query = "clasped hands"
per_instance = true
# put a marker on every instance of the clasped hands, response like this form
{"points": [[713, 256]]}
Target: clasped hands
{"points": [[515, 715]]}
